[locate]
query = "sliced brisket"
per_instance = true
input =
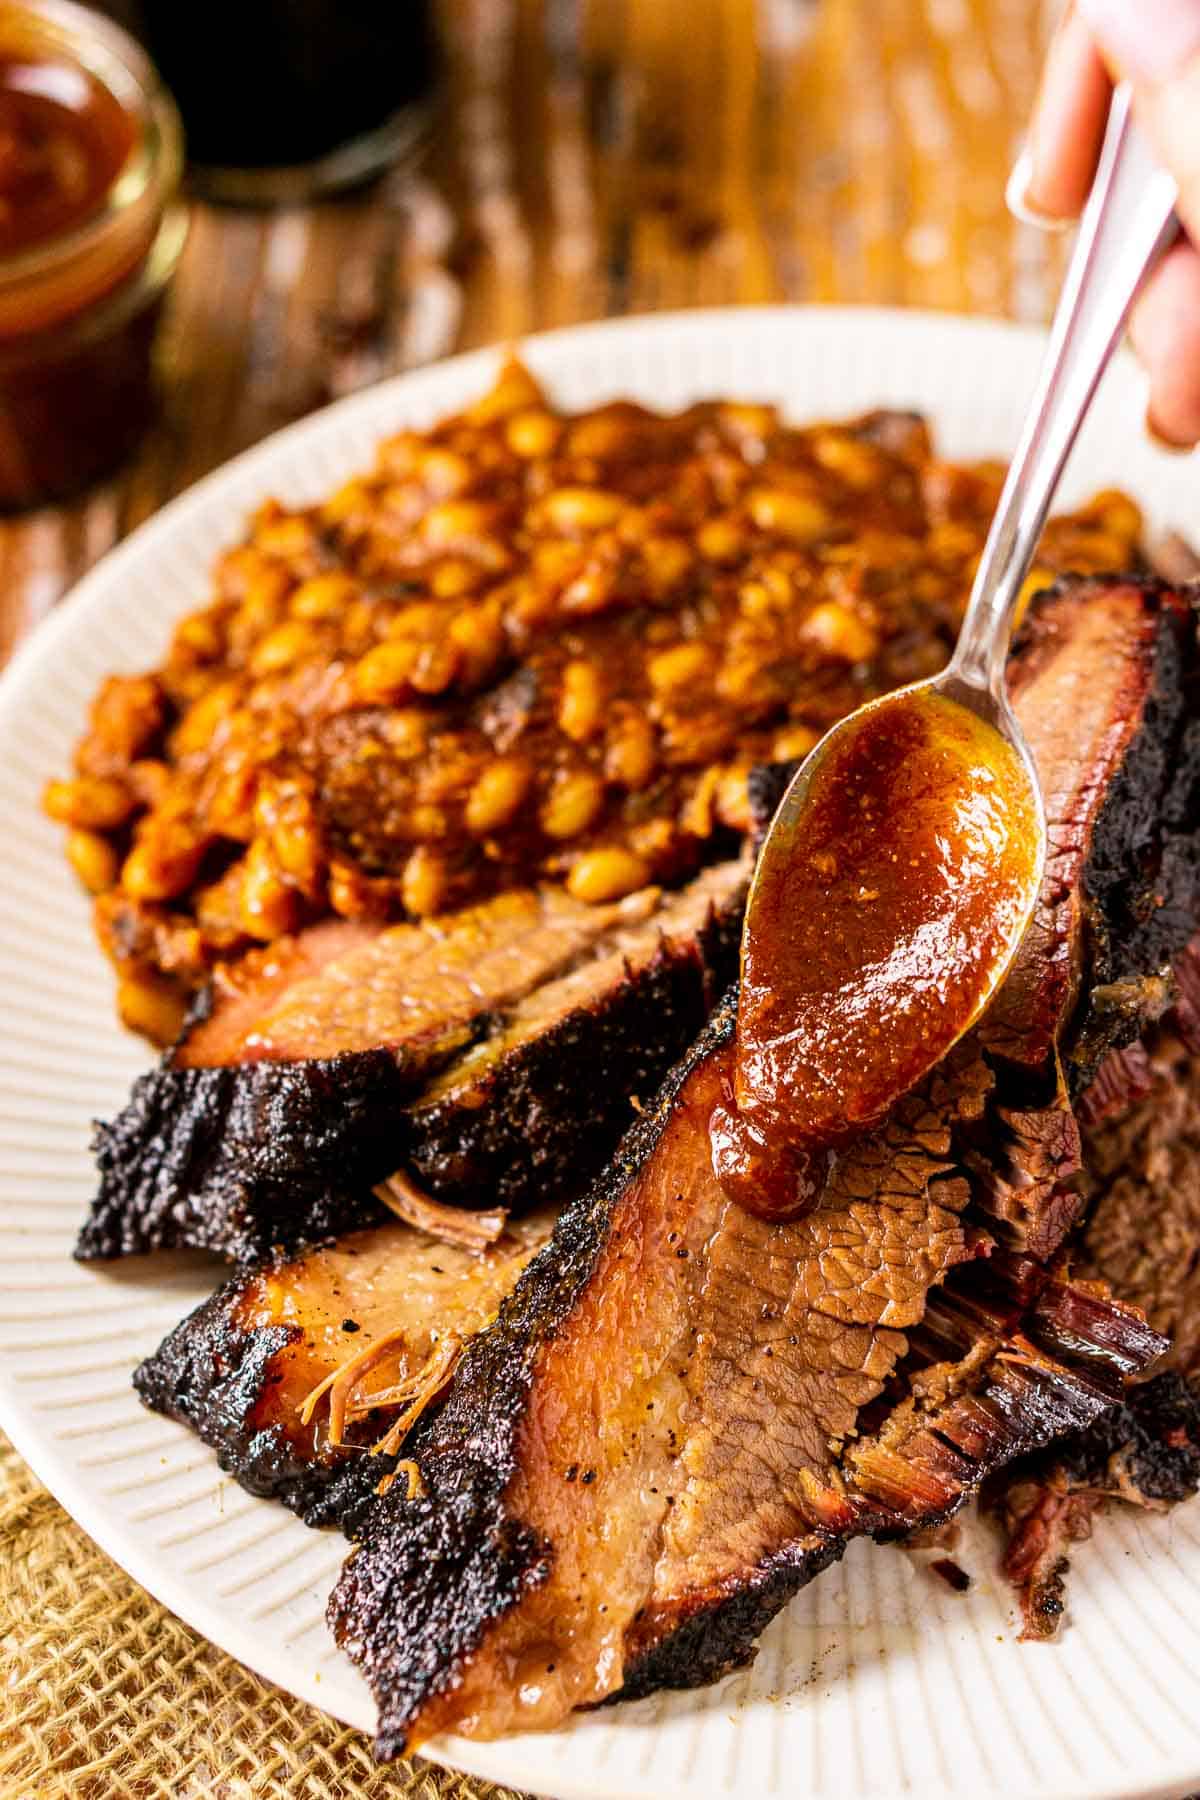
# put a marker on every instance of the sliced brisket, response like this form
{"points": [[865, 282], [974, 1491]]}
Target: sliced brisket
{"points": [[307, 1078], [1144, 1453], [239, 1369], [682, 1413], [1141, 1148]]}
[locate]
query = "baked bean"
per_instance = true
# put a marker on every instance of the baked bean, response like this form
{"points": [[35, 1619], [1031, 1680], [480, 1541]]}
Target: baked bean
{"points": [[443, 473], [581, 509], [423, 884], [497, 795], [435, 667], [289, 643], [289, 536], [798, 517], [197, 729], [126, 715], [457, 522], [268, 904], [600, 438], [667, 562], [353, 497], [532, 434], [201, 634], [154, 1009], [721, 540], [840, 633], [608, 874], [477, 636], [515, 390], [794, 743], [856, 463], [93, 859], [323, 597], [581, 701], [696, 816], [630, 755], [164, 860], [572, 804], [732, 801], [746, 420], [683, 666], [88, 801], [457, 575], [384, 673]]}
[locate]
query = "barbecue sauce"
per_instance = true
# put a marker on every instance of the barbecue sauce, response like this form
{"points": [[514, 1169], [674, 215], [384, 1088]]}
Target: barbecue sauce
{"points": [[63, 140], [89, 234], [876, 932]]}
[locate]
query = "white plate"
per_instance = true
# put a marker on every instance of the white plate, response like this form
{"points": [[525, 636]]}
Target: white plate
{"points": [[877, 1681]]}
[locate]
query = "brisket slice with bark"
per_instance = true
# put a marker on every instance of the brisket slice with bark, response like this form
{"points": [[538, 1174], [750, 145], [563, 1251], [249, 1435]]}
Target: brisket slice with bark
{"points": [[306, 1078], [1141, 1140], [1144, 1453], [682, 1412], [239, 1369]]}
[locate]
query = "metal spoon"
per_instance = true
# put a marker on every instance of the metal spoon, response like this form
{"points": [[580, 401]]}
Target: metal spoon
{"points": [[842, 1007]]}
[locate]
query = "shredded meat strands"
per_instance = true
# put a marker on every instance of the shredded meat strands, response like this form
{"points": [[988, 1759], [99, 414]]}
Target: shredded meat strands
{"points": [[452, 1224], [411, 1473], [413, 1394]]}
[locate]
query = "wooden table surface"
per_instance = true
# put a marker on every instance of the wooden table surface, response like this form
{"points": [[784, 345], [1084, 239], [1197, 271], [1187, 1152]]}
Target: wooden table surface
{"points": [[595, 157]]}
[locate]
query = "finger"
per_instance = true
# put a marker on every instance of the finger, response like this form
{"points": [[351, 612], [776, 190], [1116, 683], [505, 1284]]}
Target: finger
{"points": [[1054, 175], [1166, 335], [1156, 45]]}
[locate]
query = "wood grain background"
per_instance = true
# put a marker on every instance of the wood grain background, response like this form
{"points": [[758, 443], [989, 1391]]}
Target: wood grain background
{"points": [[592, 157]]}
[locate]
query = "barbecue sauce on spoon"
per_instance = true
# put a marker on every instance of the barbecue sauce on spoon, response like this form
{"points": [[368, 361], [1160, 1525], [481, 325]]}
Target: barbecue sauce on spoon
{"points": [[879, 923]]}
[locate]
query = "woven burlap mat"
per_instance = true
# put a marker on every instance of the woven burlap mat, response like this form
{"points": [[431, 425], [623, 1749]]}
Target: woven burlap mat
{"points": [[105, 1696]]}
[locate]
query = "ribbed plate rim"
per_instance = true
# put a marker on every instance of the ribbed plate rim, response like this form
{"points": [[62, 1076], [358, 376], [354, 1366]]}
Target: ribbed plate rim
{"points": [[96, 597]]}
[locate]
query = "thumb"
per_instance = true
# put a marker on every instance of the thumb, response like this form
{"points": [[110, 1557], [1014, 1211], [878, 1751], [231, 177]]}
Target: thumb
{"points": [[1155, 45]]}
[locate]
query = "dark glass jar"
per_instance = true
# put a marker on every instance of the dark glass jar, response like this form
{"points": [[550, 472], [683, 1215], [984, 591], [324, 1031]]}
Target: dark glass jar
{"points": [[283, 99], [90, 233]]}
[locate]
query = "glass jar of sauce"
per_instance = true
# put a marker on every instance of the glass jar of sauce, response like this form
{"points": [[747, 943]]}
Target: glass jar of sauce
{"points": [[90, 232]]}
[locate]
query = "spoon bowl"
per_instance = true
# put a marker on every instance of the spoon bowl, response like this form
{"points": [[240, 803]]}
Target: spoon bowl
{"points": [[896, 883]]}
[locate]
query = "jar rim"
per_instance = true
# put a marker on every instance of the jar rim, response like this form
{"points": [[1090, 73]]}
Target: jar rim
{"points": [[154, 167]]}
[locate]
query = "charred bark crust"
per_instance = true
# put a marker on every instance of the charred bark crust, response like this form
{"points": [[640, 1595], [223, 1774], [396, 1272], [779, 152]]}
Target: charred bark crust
{"points": [[235, 1160], [551, 1111], [209, 1374], [723, 1635], [1144, 1452], [1155, 1434], [1141, 879], [446, 1533]]}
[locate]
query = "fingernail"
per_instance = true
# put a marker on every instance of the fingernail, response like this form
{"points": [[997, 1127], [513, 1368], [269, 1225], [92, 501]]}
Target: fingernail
{"points": [[1016, 197], [1149, 40], [1162, 440]]}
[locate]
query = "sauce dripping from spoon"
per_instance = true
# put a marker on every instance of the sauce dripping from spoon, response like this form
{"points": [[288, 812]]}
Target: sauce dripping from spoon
{"points": [[888, 901]]}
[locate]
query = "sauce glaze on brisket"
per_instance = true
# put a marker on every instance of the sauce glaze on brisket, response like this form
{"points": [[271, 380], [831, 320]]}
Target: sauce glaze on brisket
{"points": [[682, 1413]]}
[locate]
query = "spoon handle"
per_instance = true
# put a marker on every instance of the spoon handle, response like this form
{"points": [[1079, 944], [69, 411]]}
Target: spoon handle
{"points": [[1128, 221]]}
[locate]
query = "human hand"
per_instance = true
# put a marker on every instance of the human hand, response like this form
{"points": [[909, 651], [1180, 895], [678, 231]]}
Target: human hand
{"points": [[1155, 45]]}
